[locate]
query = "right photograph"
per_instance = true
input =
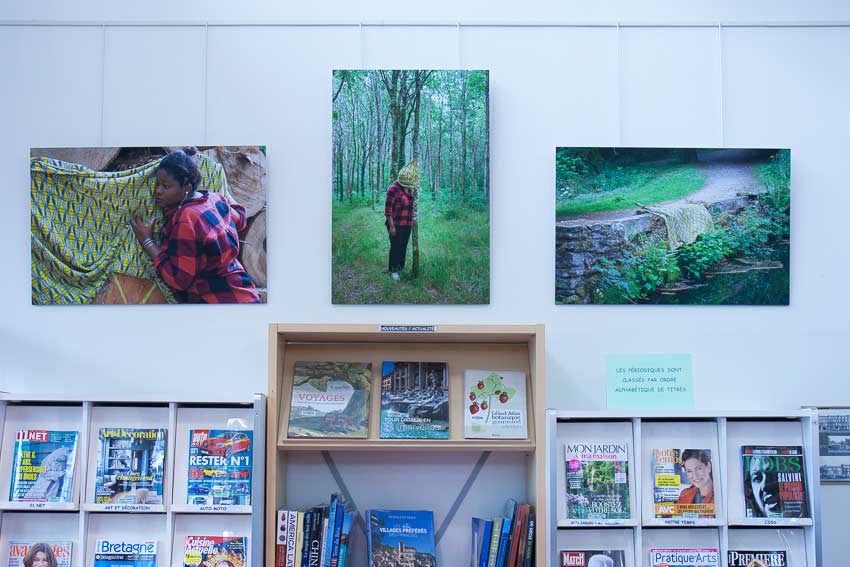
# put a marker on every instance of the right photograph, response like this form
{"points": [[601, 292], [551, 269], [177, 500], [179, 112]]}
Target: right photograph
{"points": [[693, 226]]}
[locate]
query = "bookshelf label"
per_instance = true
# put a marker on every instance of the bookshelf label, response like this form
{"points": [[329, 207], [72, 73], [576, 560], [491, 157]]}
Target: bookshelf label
{"points": [[407, 328]]}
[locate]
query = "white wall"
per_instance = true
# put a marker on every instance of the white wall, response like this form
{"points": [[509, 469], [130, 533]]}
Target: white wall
{"points": [[756, 86]]}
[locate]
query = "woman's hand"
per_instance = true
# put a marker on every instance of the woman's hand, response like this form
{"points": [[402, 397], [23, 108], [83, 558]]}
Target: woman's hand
{"points": [[142, 229]]}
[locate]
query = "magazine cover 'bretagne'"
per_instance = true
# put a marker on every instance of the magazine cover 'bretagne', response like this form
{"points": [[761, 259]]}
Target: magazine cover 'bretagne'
{"points": [[125, 553], [774, 482], [414, 400], [43, 466], [684, 483], [593, 558], [130, 465], [757, 559], [18, 551], [219, 467], [597, 481], [330, 399]]}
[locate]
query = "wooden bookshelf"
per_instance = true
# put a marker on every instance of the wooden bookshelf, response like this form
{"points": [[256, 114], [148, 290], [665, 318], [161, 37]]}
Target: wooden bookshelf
{"points": [[492, 347]]}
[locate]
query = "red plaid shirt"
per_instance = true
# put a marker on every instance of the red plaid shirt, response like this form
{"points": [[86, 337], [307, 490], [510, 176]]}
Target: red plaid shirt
{"points": [[198, 252], [399, 205]]}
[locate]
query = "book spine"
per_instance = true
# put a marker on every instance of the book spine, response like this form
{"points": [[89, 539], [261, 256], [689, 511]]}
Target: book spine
{"points": [[337, 534], [347, 519], [519, 560], [494, 542], [281, 539], [315, 557], [329, 531], [323, 536], [515, 534], [529, 542], [299, 538], [291, 536], [309, 523], [504, 540], [485, 543], [369, 537]]}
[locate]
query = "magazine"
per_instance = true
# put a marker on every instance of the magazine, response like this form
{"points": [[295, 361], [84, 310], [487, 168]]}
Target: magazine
{"points": [[684, 483], [18, 550], [597, 481], [774, 482], [414, 400], [686, 557], [330, 399], [834, 445], [129, 466], [400, 538], [757, 559], [215, 551], [495, 405], [219, 467], [43, 466], [123, 553], [593, 558]]}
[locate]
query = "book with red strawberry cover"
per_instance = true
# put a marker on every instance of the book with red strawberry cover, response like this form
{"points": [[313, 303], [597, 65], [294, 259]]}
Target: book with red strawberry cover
{"points": [[495, 405]]}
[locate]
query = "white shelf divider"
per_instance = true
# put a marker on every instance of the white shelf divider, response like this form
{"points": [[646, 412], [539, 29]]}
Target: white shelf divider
{"points": [[724, 433]]}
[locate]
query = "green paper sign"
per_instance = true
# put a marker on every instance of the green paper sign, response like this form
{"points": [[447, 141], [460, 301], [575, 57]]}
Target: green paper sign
{"points": [[649, 381]]}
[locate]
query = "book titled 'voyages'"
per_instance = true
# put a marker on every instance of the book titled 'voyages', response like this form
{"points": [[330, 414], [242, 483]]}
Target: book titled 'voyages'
{"points": [[597, 481], [330, 399]]}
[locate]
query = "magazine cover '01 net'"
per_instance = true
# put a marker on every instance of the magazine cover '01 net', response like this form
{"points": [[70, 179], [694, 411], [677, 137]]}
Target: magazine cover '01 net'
{"points": [[43, 466]]}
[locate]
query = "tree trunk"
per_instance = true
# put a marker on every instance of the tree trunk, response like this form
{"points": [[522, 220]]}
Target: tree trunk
{"points": [[487, 138], [463, 164]]}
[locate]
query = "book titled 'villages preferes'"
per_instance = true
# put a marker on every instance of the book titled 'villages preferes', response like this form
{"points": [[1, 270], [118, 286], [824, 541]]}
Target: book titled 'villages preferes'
{"points": [[330, 399], [400, 538], [757, 559], [414, 400], [130, 465], [597, 481], [43, 466], [774, 482]]}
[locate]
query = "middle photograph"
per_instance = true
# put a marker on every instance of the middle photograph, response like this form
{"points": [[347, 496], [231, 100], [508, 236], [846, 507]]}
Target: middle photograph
{"points": [[411, 187]]}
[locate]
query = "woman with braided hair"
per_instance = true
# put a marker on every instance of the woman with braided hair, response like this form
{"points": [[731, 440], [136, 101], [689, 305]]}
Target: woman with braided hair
{"points": [[399, 212], [199, 241]]}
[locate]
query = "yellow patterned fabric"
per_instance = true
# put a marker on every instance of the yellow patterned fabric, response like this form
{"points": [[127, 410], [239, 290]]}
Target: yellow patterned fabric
{"points": [[80, 223]]}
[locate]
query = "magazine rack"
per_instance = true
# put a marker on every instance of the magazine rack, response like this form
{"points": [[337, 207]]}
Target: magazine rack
{"points": [[723, 434], [457, 478], [83, 522]]}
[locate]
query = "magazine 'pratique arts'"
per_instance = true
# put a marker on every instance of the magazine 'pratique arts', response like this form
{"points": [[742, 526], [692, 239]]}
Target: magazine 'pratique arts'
{"points": [[219, 467], [43, 466], [130, 464], [684, 483], [330, 399], [597, 481], [683, 557], [414, 400]]}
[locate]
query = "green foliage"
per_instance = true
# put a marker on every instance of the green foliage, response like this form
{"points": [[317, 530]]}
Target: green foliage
{"points": [[708, 249], [627, 186], [776, 177], [650, 266]]}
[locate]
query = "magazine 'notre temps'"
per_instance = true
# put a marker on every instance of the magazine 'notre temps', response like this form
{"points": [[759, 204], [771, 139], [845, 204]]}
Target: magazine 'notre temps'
{"points": [[683, 483]]}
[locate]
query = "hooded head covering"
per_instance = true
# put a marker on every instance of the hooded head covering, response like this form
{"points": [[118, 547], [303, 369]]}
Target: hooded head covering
{"points": [[408, 176]]}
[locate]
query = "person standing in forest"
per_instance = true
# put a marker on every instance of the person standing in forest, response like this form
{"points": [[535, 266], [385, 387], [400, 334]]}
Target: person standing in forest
{"points": [[399, 211]]}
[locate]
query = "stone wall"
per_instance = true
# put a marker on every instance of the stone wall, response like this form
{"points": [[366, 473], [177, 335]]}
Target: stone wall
{"points": [[580, 244]]}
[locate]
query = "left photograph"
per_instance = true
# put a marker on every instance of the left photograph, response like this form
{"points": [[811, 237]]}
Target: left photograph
{"points": [[148, 225]]}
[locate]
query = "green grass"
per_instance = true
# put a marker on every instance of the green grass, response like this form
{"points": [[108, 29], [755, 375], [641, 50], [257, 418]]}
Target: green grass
{"points": [[454, 248], [671, 183]]}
